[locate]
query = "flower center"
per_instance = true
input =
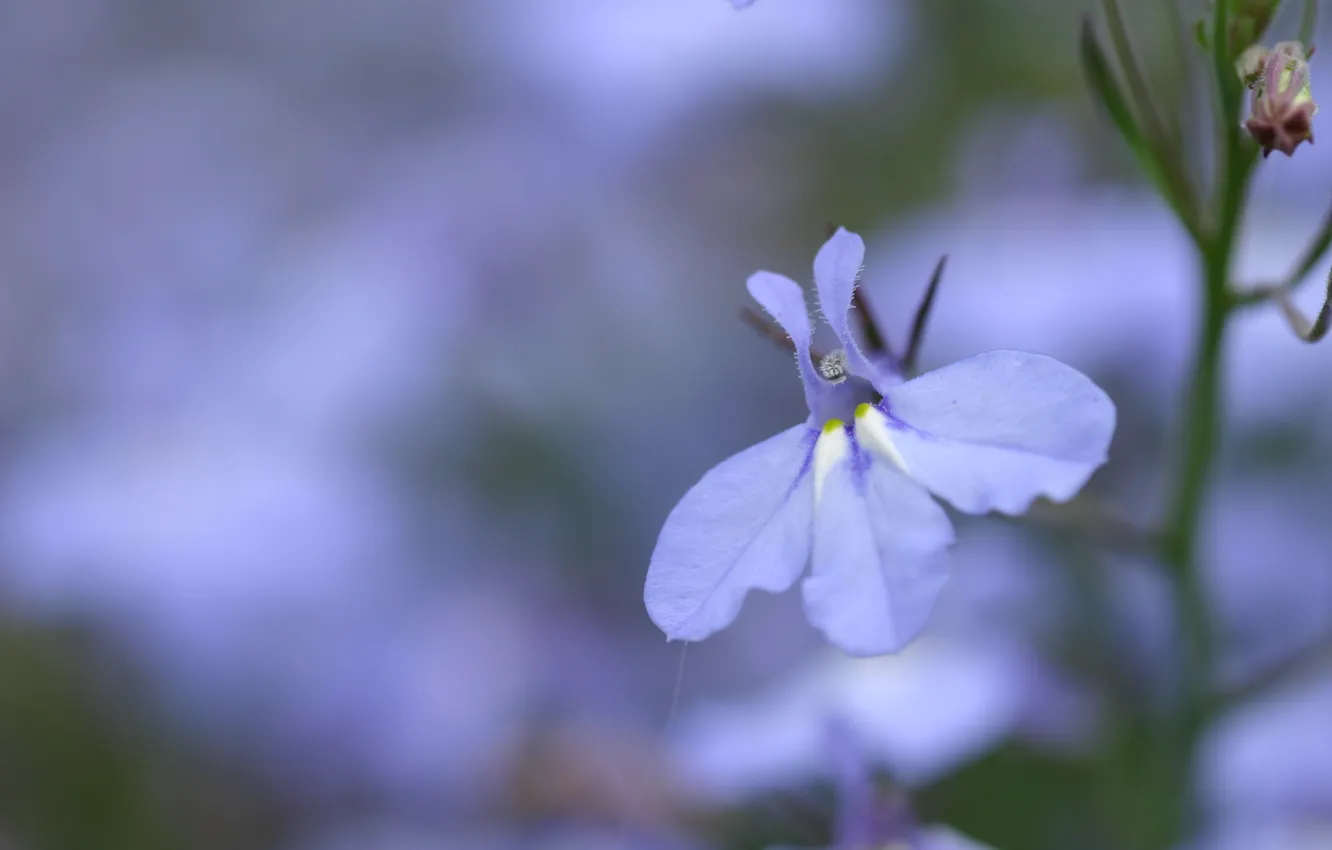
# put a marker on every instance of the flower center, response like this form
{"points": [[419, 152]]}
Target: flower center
{"points": [[834, 367], [836, 443]]}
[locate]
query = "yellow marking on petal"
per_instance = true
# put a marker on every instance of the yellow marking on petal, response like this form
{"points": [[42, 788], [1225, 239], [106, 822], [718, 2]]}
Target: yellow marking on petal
{"points": [[833, 447], [873, 433]]}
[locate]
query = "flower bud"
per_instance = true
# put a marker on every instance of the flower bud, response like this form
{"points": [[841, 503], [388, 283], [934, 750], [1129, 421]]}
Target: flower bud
{"points": [[1283, 107]]}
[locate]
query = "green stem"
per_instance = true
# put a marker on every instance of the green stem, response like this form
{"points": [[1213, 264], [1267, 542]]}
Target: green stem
{"points": [[1176, 741], [1201, 435], [1168, 759], [1204, 414]]}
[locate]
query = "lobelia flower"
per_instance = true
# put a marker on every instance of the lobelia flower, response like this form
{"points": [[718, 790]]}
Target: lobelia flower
{"points": [[1283, 107], [848, 490]]}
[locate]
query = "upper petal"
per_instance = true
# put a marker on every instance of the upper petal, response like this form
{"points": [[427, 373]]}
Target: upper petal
{"points": [[880, 558], [784, 301], [836, 270], [997, 430], [745, 525]]}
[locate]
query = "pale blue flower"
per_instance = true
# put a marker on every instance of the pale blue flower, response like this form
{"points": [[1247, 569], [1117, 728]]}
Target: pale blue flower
{"points": [[848, 490]]}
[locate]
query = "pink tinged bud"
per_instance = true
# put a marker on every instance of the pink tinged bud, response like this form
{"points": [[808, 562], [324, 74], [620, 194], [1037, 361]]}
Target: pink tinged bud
{"points": [[1283, 107], [1250, 64]]}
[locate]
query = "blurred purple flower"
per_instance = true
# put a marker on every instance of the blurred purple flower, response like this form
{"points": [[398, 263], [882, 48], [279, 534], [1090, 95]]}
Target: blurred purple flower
{"points": [[665, 64], [989, 433], [1049, 274], [407, 835], [1271, 759], [869, 817], [1265, 770], [1264, 617], [1313, 835], [922, 712], [1268, 590]]}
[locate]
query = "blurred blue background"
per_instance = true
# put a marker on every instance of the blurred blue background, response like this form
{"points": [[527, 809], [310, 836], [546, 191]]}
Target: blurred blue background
{"points": [[352, 354]]}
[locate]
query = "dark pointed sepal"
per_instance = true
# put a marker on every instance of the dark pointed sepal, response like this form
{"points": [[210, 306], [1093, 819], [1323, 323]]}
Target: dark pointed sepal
{"points": [[922, 318]]}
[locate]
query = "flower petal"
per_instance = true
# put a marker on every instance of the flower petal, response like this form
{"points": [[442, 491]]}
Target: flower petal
{"points": [[880, 557], [784, 301], [745, 525], [836, 270], [997, 430]]}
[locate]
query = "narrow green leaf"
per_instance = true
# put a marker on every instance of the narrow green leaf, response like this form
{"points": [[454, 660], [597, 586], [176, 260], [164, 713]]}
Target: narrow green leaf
{"points": [[1308, 23], [1155, 134], [1105, 88], [1153, 127]]}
